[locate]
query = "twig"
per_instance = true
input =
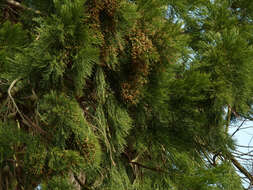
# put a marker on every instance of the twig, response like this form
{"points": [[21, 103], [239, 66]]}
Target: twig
{"points": [[17, 4], [238, 128], [25, 119], [12, 99], [228, 117], [240, 167], [103, 132], [213, 163], [81, 184], [149, 168], [242, 146]]}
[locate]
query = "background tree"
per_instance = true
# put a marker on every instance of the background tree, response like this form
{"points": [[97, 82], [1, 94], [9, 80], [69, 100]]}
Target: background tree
{"points": [[118, 94]]}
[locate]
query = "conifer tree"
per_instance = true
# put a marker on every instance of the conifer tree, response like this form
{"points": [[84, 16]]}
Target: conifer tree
{"points": [[123, 94]]}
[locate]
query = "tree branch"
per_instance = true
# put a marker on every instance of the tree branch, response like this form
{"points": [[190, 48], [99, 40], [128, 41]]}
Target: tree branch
{"points": [[149, 168], [24, 118], [81, 184], [240, 168], [18, 5], [238, 128], [228, 118], [12, 99]]}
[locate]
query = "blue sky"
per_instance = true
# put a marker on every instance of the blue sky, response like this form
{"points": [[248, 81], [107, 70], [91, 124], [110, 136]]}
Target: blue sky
{"points": [[244, 137]]}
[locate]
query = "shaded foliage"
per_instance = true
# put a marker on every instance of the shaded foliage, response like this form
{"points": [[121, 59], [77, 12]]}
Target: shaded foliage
{"points": [[118, 94]]}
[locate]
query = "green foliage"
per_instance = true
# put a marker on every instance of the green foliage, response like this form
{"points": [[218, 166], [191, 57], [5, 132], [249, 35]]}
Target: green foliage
{"points": [[57, 183], [35, 159], [119, 94], [60, 162], [68, 128], [221, 177], [126, 17], [12, 39], [12, 36], [10, 136], [120, 123]]}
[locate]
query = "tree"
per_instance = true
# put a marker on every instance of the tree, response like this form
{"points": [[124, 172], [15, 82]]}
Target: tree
{"points": [[120, 94]]}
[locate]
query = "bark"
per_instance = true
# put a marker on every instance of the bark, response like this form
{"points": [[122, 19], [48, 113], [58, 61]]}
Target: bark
{"points": [[240, 168]]}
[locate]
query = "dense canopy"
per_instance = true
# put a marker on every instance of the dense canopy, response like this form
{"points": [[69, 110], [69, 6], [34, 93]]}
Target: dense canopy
{"points": [[123, 94]]}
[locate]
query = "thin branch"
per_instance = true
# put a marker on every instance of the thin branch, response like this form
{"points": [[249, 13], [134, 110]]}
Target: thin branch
{"points": [[214, 158], [242, 158], [250, 141], [238, 127], [34, 125], [240, 167], [249, 127], [18, 5], [228, 118], [85, 187], [103, 132], [25, 119], [242, 146], [209, 159], [242, 153], [149, 168], [12, 99]]}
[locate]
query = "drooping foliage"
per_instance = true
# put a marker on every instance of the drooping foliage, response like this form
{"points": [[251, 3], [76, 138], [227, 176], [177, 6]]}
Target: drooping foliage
{"points": [[120, 94]]}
